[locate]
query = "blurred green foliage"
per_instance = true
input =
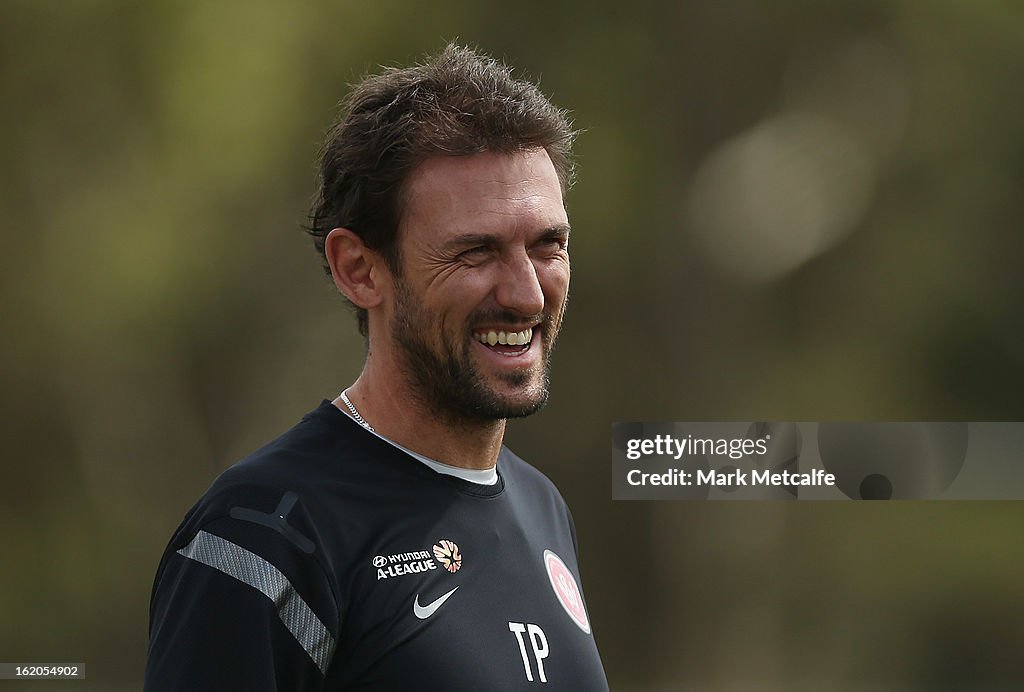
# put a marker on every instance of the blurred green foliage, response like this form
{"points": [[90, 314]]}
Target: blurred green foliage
{"points": [[164, 314]]}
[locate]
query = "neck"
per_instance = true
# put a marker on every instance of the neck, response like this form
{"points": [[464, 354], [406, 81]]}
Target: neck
{"points": [[386, 402]]}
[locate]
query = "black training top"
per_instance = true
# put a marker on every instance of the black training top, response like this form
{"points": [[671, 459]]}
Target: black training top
{"points": [[332, 560]]}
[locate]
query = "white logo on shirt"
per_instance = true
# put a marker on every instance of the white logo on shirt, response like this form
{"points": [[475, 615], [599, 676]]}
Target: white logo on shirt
{"points": [[423, 612]]}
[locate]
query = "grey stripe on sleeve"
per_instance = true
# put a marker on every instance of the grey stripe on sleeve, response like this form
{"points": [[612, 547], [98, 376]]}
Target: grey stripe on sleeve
{"points": [[251, 569]]}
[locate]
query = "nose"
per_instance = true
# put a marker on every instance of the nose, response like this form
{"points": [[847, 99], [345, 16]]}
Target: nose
{"points": [[518, 288]]}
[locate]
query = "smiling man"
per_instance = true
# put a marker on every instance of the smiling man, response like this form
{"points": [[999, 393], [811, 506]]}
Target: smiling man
{"points": [[389, 541], [469, 313]]}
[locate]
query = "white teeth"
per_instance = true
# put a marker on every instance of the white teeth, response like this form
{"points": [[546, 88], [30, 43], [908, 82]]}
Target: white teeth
{"points": [[506, 338]]}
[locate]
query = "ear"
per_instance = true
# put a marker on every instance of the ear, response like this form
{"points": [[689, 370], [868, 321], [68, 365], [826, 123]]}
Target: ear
{"points": [[355, 268]]}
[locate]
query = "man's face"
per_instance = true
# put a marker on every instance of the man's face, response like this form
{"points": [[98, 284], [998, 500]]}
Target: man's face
{"points": [[484, 282]]}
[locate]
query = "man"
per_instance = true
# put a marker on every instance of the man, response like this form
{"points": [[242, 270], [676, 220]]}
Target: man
{"points": [[389, 541]]}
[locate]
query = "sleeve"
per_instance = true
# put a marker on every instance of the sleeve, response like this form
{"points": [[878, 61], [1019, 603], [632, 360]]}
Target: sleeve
{"points": [[572, 530], [237, 605]]}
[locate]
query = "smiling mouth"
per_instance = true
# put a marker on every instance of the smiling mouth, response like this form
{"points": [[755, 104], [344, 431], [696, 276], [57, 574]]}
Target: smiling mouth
{"points": [[506, 343]]}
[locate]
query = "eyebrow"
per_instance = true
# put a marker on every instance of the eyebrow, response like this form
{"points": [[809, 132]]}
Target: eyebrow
{"points": [[490, 239], [559, 231]]}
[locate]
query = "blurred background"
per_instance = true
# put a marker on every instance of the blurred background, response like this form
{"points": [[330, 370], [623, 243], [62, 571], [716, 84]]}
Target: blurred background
{"points": [[788, 210]]}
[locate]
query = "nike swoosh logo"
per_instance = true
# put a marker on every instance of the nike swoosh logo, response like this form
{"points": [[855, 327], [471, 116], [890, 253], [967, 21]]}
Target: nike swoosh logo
{"points": [[423, 612]]}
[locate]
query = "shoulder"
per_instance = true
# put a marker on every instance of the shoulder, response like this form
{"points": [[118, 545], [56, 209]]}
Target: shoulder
{"points": [[521, 476], [514, 466], [324, 451], [284, 493], [290, 462], [544, 508]]}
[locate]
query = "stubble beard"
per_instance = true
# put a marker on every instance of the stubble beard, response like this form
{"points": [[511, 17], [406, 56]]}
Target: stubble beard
{"points": [[447, 382]]}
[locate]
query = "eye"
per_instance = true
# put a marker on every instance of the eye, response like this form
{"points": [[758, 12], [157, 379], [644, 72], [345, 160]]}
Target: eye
{"points": [[552, 245], [475, 254]]}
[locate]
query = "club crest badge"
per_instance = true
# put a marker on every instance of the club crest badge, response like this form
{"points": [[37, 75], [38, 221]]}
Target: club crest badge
{"points": [[566, 590]]}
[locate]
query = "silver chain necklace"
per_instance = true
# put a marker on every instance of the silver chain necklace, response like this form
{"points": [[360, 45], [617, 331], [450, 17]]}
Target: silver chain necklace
{"points": [[355, 413]]}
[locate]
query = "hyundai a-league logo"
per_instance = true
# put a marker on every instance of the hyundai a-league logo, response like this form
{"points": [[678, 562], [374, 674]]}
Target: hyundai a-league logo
{"points": [[448, 555]]}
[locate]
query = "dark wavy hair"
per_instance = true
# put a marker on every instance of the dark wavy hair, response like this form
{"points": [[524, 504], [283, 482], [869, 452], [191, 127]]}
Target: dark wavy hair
{"points": [[456, 103]]}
